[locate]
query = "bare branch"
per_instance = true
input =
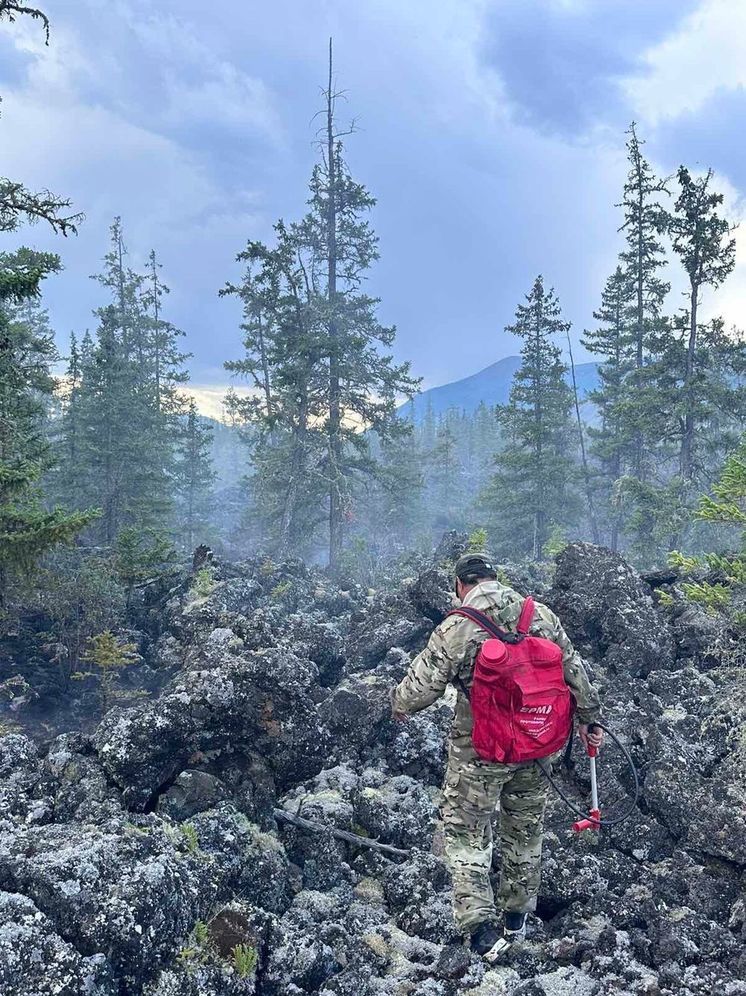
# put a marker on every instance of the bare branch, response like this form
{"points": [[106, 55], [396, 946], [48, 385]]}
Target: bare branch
{"points": [[351, 838]]}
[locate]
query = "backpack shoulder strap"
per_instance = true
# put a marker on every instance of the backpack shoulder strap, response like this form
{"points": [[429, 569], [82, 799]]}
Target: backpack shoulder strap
{"points": [[527, 615], [484, 622], [481, 619]]}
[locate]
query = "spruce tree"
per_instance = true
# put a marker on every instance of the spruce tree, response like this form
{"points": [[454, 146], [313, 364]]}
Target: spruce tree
{"points": [[194, 479], [614, 442], [109, 446], [705, 245], [282, 360], [27, 527], [165, 373], [362, 382], [533, 491], [448, 494], [123, 418], [313, 351], [643, 258]]}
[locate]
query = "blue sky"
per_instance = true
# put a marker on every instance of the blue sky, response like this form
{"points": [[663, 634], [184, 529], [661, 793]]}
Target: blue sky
{"points": [[491, 132]]}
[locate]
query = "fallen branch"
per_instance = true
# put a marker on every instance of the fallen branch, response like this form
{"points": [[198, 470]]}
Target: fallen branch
{"points": [[351, 838]]}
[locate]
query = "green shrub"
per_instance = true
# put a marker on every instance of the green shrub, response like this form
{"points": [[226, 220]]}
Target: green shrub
{"points": [[725, 507], [477, 542], [108, 657], [244, 959], [281, 589], [78, 595], [143, 555], [204, 583], [556, 542], [190, 836]]}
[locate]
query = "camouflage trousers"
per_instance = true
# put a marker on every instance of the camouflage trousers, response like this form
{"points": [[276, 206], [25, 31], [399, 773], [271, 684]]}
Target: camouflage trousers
{"points": [[472, 791]]}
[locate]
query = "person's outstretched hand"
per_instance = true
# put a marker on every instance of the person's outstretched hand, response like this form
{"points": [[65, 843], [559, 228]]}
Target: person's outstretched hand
{"points": [[396, 713], [594, 739]]}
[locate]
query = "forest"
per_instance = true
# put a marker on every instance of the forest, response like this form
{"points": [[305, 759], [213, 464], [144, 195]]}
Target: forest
{"points": [[323, 458], [207, 787]]}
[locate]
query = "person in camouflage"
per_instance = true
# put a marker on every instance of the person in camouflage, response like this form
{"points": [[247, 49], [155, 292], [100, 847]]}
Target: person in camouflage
{"points": [[473, 788]]}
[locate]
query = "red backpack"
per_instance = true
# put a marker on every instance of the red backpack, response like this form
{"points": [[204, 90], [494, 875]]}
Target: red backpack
{"points": [[520, 703]]}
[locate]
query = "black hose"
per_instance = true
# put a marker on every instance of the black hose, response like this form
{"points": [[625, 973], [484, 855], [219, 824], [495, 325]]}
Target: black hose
{"points": [[584, 814]]}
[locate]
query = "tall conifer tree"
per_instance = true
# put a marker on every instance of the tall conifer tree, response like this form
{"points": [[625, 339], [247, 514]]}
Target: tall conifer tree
{"points": [[123, 421], [362, 382], [27, 527], [313, 349], [194, 479], [533, 491], [642, 260], [704, 243], [614, 442]]}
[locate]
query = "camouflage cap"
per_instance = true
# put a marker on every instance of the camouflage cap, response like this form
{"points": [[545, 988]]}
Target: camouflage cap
{"points": [[472, 566]]}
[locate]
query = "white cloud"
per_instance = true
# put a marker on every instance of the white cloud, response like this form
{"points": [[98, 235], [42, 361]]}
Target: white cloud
{"points": [[209, 398], [728, 300], [705, 54], [62, 128], [200, 85]]}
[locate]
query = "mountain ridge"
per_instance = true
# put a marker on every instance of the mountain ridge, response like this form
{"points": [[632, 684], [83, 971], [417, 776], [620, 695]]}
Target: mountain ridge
{"points": [[490, 386]]}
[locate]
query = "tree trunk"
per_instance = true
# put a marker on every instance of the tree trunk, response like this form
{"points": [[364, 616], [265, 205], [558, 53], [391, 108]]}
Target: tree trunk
{"points": [[157, 335], [334, 447], [266, 383], [584, 459], [296, 478], [640, 331], [616, 463], [540, 517], [686, 460], [122, 305]]}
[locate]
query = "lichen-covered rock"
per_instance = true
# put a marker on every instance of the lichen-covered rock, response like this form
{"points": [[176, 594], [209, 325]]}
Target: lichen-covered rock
{"points": [[24, 791], [191, 792], [398, 810], [257, 701], [696, 633], [124, 891], [355, 713], [81, 790], [243, 858], [608, 611], [146, 859], [201, 980], [392, 621], [36, 961], [431, 593], [417, 747]]}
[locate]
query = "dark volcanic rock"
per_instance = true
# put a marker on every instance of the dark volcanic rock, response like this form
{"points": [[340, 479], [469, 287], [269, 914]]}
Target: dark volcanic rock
{"points": [[258, 701], [192, 792], [146, 859], [36, 961], [123, 891], [608, 611]]}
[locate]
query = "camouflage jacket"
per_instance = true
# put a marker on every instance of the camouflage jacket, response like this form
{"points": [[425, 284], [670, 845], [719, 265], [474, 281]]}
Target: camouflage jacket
{"points": [[452, 648]]}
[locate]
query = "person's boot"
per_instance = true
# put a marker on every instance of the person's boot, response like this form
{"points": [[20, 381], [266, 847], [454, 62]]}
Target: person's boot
{"points": [[488, 941], [515, 927]]}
